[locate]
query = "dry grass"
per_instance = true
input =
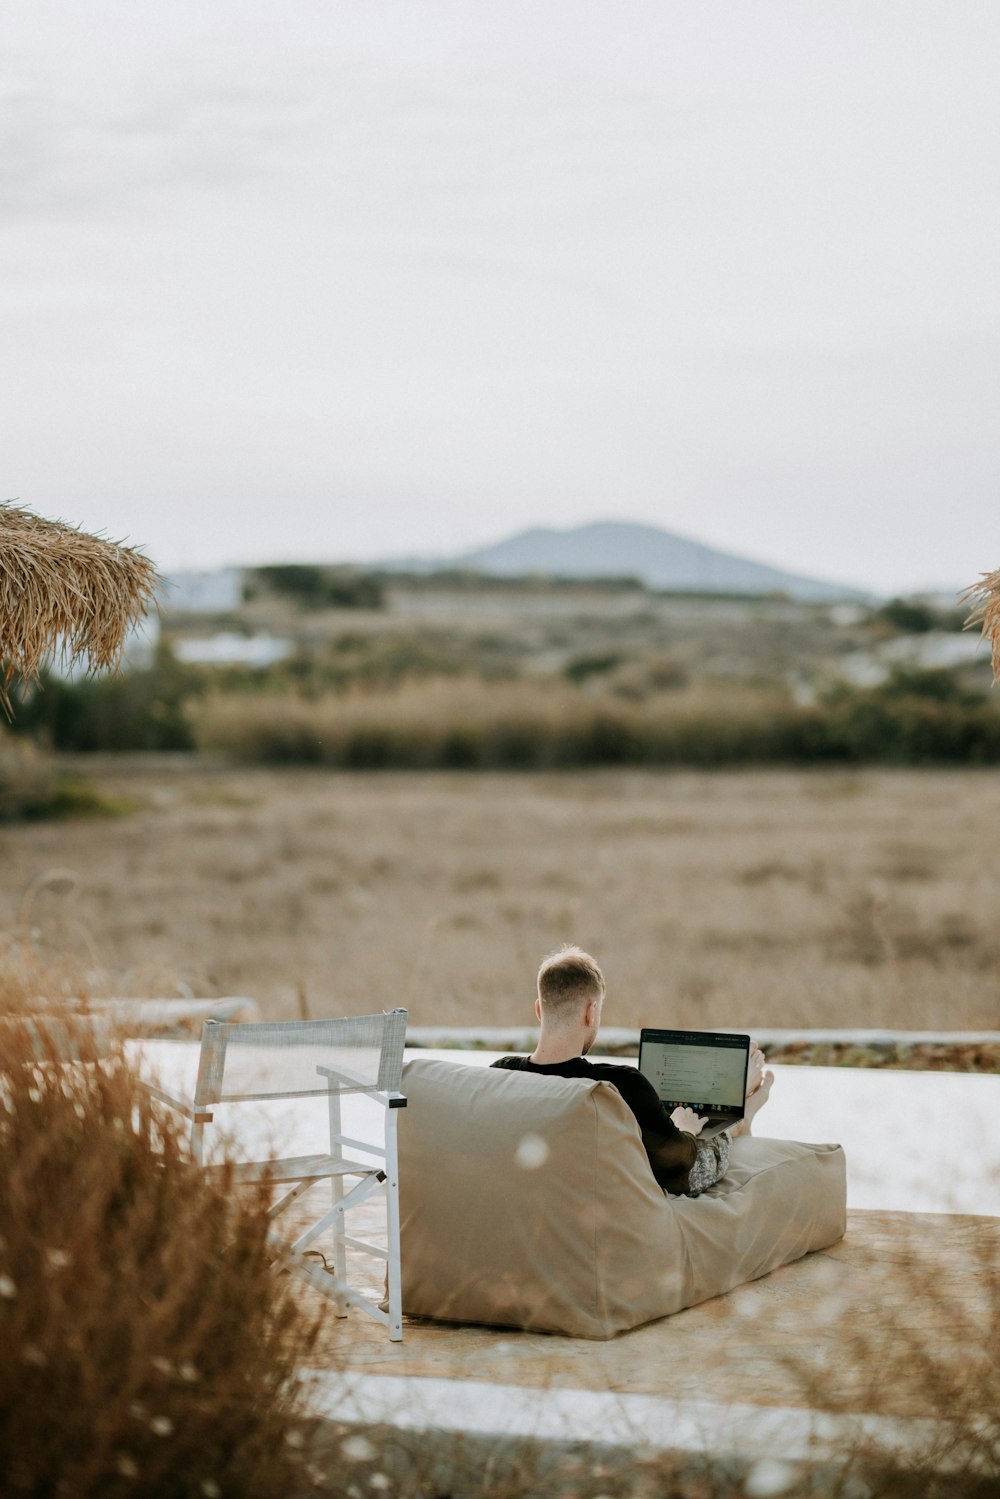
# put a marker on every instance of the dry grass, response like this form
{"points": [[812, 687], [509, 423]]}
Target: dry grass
{"points": [[761, 899], [61, 588], [145, 1345]]}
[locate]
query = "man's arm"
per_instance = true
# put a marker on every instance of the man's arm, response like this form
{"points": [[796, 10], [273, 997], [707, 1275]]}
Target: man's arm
{"points": [[672, 1152]]}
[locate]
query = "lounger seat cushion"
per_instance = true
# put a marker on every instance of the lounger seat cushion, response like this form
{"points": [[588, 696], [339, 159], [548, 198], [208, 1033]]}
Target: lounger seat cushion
{"points": [[528, 1202]]}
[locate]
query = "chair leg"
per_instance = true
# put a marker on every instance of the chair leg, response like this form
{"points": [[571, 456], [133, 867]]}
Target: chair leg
{"points": [[392, 1228], [337, 1193]]}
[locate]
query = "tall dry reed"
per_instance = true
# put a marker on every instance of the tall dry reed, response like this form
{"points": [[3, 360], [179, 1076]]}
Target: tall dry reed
{"points": [[984, 597], [467, 723], [539, 724], [146, 1348]]}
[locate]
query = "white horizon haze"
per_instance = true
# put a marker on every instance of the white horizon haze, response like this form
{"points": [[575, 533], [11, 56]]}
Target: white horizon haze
{"points": [[349, 281]]}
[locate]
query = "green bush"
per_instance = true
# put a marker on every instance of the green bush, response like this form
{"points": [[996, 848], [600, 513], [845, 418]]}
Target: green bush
{"points": [[915, 617], [582, 667], [315, 587], [908, 615], [130, 710]]}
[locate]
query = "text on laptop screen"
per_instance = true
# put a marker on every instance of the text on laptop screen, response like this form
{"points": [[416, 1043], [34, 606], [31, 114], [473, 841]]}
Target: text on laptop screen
{"points": [[705, 1077]]}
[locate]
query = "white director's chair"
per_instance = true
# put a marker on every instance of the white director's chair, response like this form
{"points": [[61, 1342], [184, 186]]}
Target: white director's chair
{"points": [[360, 1056]]}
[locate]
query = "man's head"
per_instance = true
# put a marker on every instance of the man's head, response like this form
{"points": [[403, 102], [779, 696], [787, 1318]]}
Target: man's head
{"points": [[570, 995]]}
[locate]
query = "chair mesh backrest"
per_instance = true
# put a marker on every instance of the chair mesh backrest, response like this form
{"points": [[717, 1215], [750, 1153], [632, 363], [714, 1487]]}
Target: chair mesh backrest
{"points": [[281, 1059]]}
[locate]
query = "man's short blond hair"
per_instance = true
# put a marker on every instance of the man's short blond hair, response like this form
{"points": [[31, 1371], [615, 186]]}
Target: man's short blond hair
{"points": [[569, 979]]}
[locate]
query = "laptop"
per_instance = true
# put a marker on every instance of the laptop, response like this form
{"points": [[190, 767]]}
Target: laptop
{"points": [[701, 1070]]}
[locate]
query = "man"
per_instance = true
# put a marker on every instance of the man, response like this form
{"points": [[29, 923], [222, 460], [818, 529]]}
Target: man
{"points": [[568, 1007]]}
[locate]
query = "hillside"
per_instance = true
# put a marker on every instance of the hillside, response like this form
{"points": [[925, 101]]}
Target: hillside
{"points": [[660, 559]]}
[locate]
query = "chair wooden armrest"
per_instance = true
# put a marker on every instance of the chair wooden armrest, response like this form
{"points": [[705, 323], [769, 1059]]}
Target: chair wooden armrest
{"points": [[184, 1106], [352, 1083]]}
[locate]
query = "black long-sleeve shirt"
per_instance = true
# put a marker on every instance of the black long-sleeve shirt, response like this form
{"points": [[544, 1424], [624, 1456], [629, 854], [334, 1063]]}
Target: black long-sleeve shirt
{"points": [[679, 1161]]}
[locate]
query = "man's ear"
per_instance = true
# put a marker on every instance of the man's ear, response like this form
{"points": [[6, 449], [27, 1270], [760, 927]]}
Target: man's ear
{"points": [[590, 1014], [538, 1011]]}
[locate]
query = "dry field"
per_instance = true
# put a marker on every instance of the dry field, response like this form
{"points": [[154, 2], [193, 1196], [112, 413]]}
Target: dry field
{"points": [[767, 898]]}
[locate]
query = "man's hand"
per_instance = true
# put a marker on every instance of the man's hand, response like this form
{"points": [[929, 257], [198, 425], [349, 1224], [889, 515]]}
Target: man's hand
{"points": [[688, 1120]]}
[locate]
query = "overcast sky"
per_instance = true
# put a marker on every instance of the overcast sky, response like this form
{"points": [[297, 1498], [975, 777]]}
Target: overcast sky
{"points": [[342, 279]]}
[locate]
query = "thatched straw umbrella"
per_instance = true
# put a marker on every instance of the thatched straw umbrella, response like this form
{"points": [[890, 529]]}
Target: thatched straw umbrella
{"points": [[64, 590], [985, 599]]}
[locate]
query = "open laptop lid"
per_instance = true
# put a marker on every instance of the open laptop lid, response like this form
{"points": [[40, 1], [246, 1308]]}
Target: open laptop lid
{"points": [[702, 1070]]}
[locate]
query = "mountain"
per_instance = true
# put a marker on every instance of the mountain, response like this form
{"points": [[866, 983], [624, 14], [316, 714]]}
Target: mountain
{"points": [[661, 559]]}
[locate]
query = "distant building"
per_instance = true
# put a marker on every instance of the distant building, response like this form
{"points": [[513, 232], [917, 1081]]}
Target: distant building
{"points": [[216, 592], [229, 649], [933, 651]]}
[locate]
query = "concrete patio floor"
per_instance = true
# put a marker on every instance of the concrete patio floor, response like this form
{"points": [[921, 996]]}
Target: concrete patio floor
{"points": [[883, 1340], [824, 1328], [886, 1340]]}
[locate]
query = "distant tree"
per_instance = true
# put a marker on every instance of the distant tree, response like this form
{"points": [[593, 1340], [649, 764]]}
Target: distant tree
{"points": [[909, 615], [940, 684], [315, 587], [131, 710], [582, 667]]}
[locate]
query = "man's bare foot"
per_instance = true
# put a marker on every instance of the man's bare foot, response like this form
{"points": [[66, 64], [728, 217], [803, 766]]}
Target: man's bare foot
{"points": [[755, 1068], [755, 1102]]}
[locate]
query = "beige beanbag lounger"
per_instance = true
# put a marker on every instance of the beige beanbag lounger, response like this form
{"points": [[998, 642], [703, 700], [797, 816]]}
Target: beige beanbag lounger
{"points": [[528, 1202]]}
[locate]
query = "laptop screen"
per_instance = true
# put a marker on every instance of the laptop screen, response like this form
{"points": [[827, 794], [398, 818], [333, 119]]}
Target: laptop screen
{"points": [[706, 1070]]}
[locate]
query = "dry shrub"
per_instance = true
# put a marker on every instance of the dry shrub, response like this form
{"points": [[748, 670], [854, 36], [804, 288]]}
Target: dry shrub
{"points": [[145, 1346]]}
